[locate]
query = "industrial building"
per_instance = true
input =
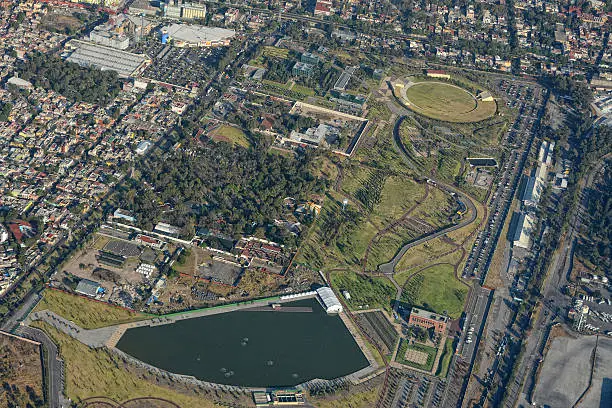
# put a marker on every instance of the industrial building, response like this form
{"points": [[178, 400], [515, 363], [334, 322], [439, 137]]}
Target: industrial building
{"points": [[191, 35], [183, 10], [313, 136], [109, 38], [89, 288], [124, 214], [524, 229], [87, 54], [426, 320], [278, 398], [533, 190], [329, 300], [167, 229]]}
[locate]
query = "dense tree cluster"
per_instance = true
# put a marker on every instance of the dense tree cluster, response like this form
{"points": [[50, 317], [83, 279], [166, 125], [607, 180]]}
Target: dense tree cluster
{"points": [[71, 80], [217, 187], [579, 92], [5, 111], [594, 245]]}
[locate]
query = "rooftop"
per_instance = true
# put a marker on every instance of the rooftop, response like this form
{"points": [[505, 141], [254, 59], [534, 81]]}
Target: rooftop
{"points": [[428, 315], [105, 58], [197, 34]]}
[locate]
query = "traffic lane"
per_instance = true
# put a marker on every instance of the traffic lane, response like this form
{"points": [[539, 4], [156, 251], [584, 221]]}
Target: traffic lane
{"points": [[477, 320], [21, 312]]}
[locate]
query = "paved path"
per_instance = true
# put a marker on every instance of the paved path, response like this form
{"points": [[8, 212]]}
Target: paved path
{"points": [[93, 338], [389, 267]]}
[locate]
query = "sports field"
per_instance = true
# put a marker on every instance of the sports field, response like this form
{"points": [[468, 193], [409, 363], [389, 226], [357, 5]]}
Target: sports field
{"points": [[446, 102]]}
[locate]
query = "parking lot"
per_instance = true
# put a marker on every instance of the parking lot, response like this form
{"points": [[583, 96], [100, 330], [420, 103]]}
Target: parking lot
{"points": [[181, 66], [526, 100]]}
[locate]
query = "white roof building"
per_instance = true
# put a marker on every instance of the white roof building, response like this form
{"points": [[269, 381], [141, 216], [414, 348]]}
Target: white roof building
{"points": [[329, 300], [106, 58], [188, 35], [524, 229]]}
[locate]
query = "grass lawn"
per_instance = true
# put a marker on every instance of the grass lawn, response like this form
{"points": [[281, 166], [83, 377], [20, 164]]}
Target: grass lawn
{"points": [[98, 372], [302, 89], [437, 209], [424, 254], [436, 289], [100, 241], [298, 92], [447, 102], [445, 358], [276, 52], [89, 314], [230, 134], [404, 346], [366, 292], [398, 195], [387, 246]]}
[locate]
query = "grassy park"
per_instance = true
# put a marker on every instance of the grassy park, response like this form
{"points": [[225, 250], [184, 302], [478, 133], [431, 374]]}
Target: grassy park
{"points": [[230, 134], [445, 358], [366, 292], [98, 372], [89, 314], [447, 102], [436, 288]]}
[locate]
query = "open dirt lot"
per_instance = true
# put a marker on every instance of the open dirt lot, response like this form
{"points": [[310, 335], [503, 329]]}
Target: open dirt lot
{"points": [[565, 374], [85, 264], [20, 367]]}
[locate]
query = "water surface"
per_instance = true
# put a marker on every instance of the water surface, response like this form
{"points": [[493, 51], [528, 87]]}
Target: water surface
{"points": [[256, 349]]}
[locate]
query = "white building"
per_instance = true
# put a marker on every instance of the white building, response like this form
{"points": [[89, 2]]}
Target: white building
{"points": [[4, 235], [329, 300], [524, 230], [192, 35]]}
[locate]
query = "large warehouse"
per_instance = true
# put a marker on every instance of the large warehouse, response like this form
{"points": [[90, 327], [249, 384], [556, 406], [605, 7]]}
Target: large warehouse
{"points": [[329, 300], [191, 35], [105, 58]]}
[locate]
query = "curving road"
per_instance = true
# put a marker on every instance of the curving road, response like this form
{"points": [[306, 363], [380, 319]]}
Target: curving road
{"points": [[389, 267], [54, 366]]}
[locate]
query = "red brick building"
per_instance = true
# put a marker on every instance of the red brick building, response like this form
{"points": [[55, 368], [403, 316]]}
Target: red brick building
{"points": [[426, 320]]}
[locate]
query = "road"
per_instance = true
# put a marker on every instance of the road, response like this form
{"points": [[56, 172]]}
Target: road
{"points": [[20, 313], [555, 300], [54, 367]]}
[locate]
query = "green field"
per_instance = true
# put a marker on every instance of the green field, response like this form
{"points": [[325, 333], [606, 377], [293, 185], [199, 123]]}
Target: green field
{"points": [[230, 134], [98, 372], [431, 355], [89, 314], [445, 358], [436, 289], [366, 292], [447, 102], [275, 52]]}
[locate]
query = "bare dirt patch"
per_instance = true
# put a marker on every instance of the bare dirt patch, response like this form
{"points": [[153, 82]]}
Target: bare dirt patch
{"points": [[21, 369]]}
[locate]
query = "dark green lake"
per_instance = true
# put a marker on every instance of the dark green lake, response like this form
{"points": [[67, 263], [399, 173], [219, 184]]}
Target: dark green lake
{"points": [[256, 349]]}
